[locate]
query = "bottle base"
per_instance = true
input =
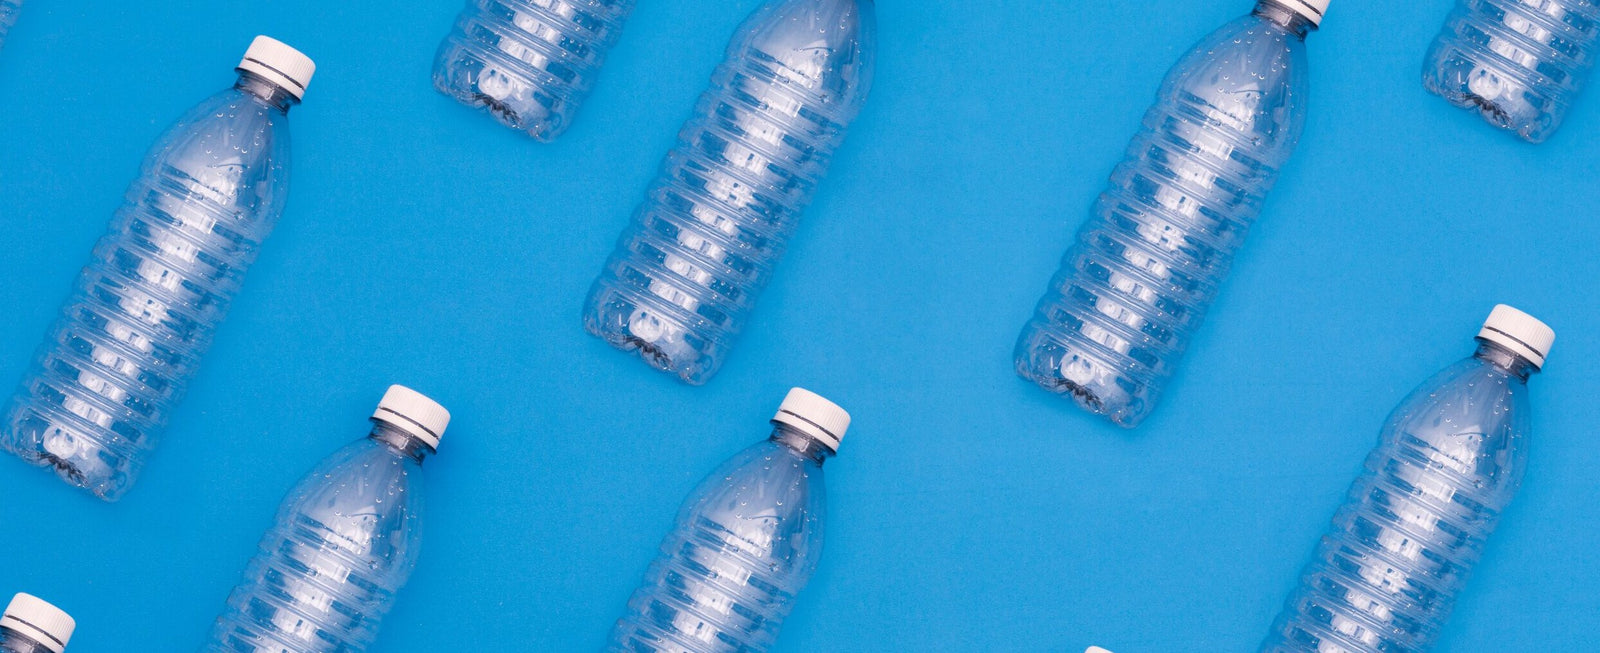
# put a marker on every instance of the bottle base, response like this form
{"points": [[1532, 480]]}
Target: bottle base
{"points": [[73, 455], [506, 94], [660, 340], [1501, 98], [1089, 382]]}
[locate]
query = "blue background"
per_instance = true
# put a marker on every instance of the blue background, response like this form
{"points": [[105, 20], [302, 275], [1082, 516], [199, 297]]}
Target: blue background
{"points": [[426, 245]]}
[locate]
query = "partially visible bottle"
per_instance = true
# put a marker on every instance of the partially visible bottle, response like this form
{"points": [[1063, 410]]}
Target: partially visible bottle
{"points": [[747, 541], [1096, 649], [345, 542], [31, 625], [1133, 289], [1518, 63], [8, 17], [144, 311], [686, 274], [529, 63], [1448, 461]]}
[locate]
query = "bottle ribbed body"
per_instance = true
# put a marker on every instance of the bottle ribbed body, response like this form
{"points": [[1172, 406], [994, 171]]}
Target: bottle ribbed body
{"points": [[1145, 267], [1518, 63], [529, 63], [1385, 577], [685, 275], [745, 545], [8, 17], [327, 572], [146, 308]]}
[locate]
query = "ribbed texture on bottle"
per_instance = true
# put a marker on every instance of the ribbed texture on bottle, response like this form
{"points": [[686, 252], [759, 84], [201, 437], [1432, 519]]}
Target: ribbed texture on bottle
{"points": [[143, 312], [705, 594], [306, 593], [1518, 63], [1387, 575], [12, 641], [686, 274], [8, 17], [529, 63], [1147, 264]]}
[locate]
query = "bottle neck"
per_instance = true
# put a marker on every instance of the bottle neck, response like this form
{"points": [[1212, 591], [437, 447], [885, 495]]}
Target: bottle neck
{"points": [[12, 641], [801, 443], [399, 441], [1505, 359], [276, 96], [1291, 21]]}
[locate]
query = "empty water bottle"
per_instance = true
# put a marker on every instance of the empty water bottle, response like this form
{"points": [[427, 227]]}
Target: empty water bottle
{"points": [[1518, 63], [1448, 461], [1135, 286], [746, 542], [30, 625], [345, 542], [8, 16], [685, 275], [529, 63], [117, 361]]}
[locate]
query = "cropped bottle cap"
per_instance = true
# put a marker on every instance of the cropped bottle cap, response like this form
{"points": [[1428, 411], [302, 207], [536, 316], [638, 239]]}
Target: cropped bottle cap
{"points": [[39, 621], [815, 416], [414, 413], [279, 64], [1520, 332], [1096, 649], [1311, 9]]}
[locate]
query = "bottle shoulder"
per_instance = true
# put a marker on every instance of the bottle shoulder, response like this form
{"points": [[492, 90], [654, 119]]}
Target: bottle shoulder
{"points": [[232, 148], [1470, 420], [1250, 76], [366, 497], [769, 501], [823, 46]]}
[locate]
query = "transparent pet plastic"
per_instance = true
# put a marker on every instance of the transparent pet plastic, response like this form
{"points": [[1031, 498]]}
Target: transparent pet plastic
{"points": [[746, 543], [8, 17], [1518, 63], [685, 276], [344, 544], [528, 63], [144, 311], [1448, 461], [1134, 288]]}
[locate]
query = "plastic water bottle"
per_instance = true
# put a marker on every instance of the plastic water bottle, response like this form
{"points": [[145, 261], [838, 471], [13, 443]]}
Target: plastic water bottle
{"points": [[142, 314], [8, 16], [747, 541], [30, 625], [1135, 286], [529, 63], [1518, 63], [344, 544], [1448, 461], [685, 275]]}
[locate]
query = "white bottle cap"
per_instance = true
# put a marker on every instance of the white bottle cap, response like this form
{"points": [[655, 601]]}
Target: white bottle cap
{"points": [[40, 621], [410, 411], [815, 416], [1520, 332], [279, 64], [1096, 649], [1311, 9]]}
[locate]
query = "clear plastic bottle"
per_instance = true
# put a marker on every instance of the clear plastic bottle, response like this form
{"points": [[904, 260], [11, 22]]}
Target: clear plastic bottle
{"points": [[1135, 286], [746, 543], [529, 63], [345, 541], [31, 625], [1448, 461], [117, 361], [686, 274], [8, 17], [1518, 63]]}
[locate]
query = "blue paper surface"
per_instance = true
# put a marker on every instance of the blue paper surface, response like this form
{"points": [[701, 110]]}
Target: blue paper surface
{"points": [[969, 511]]}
